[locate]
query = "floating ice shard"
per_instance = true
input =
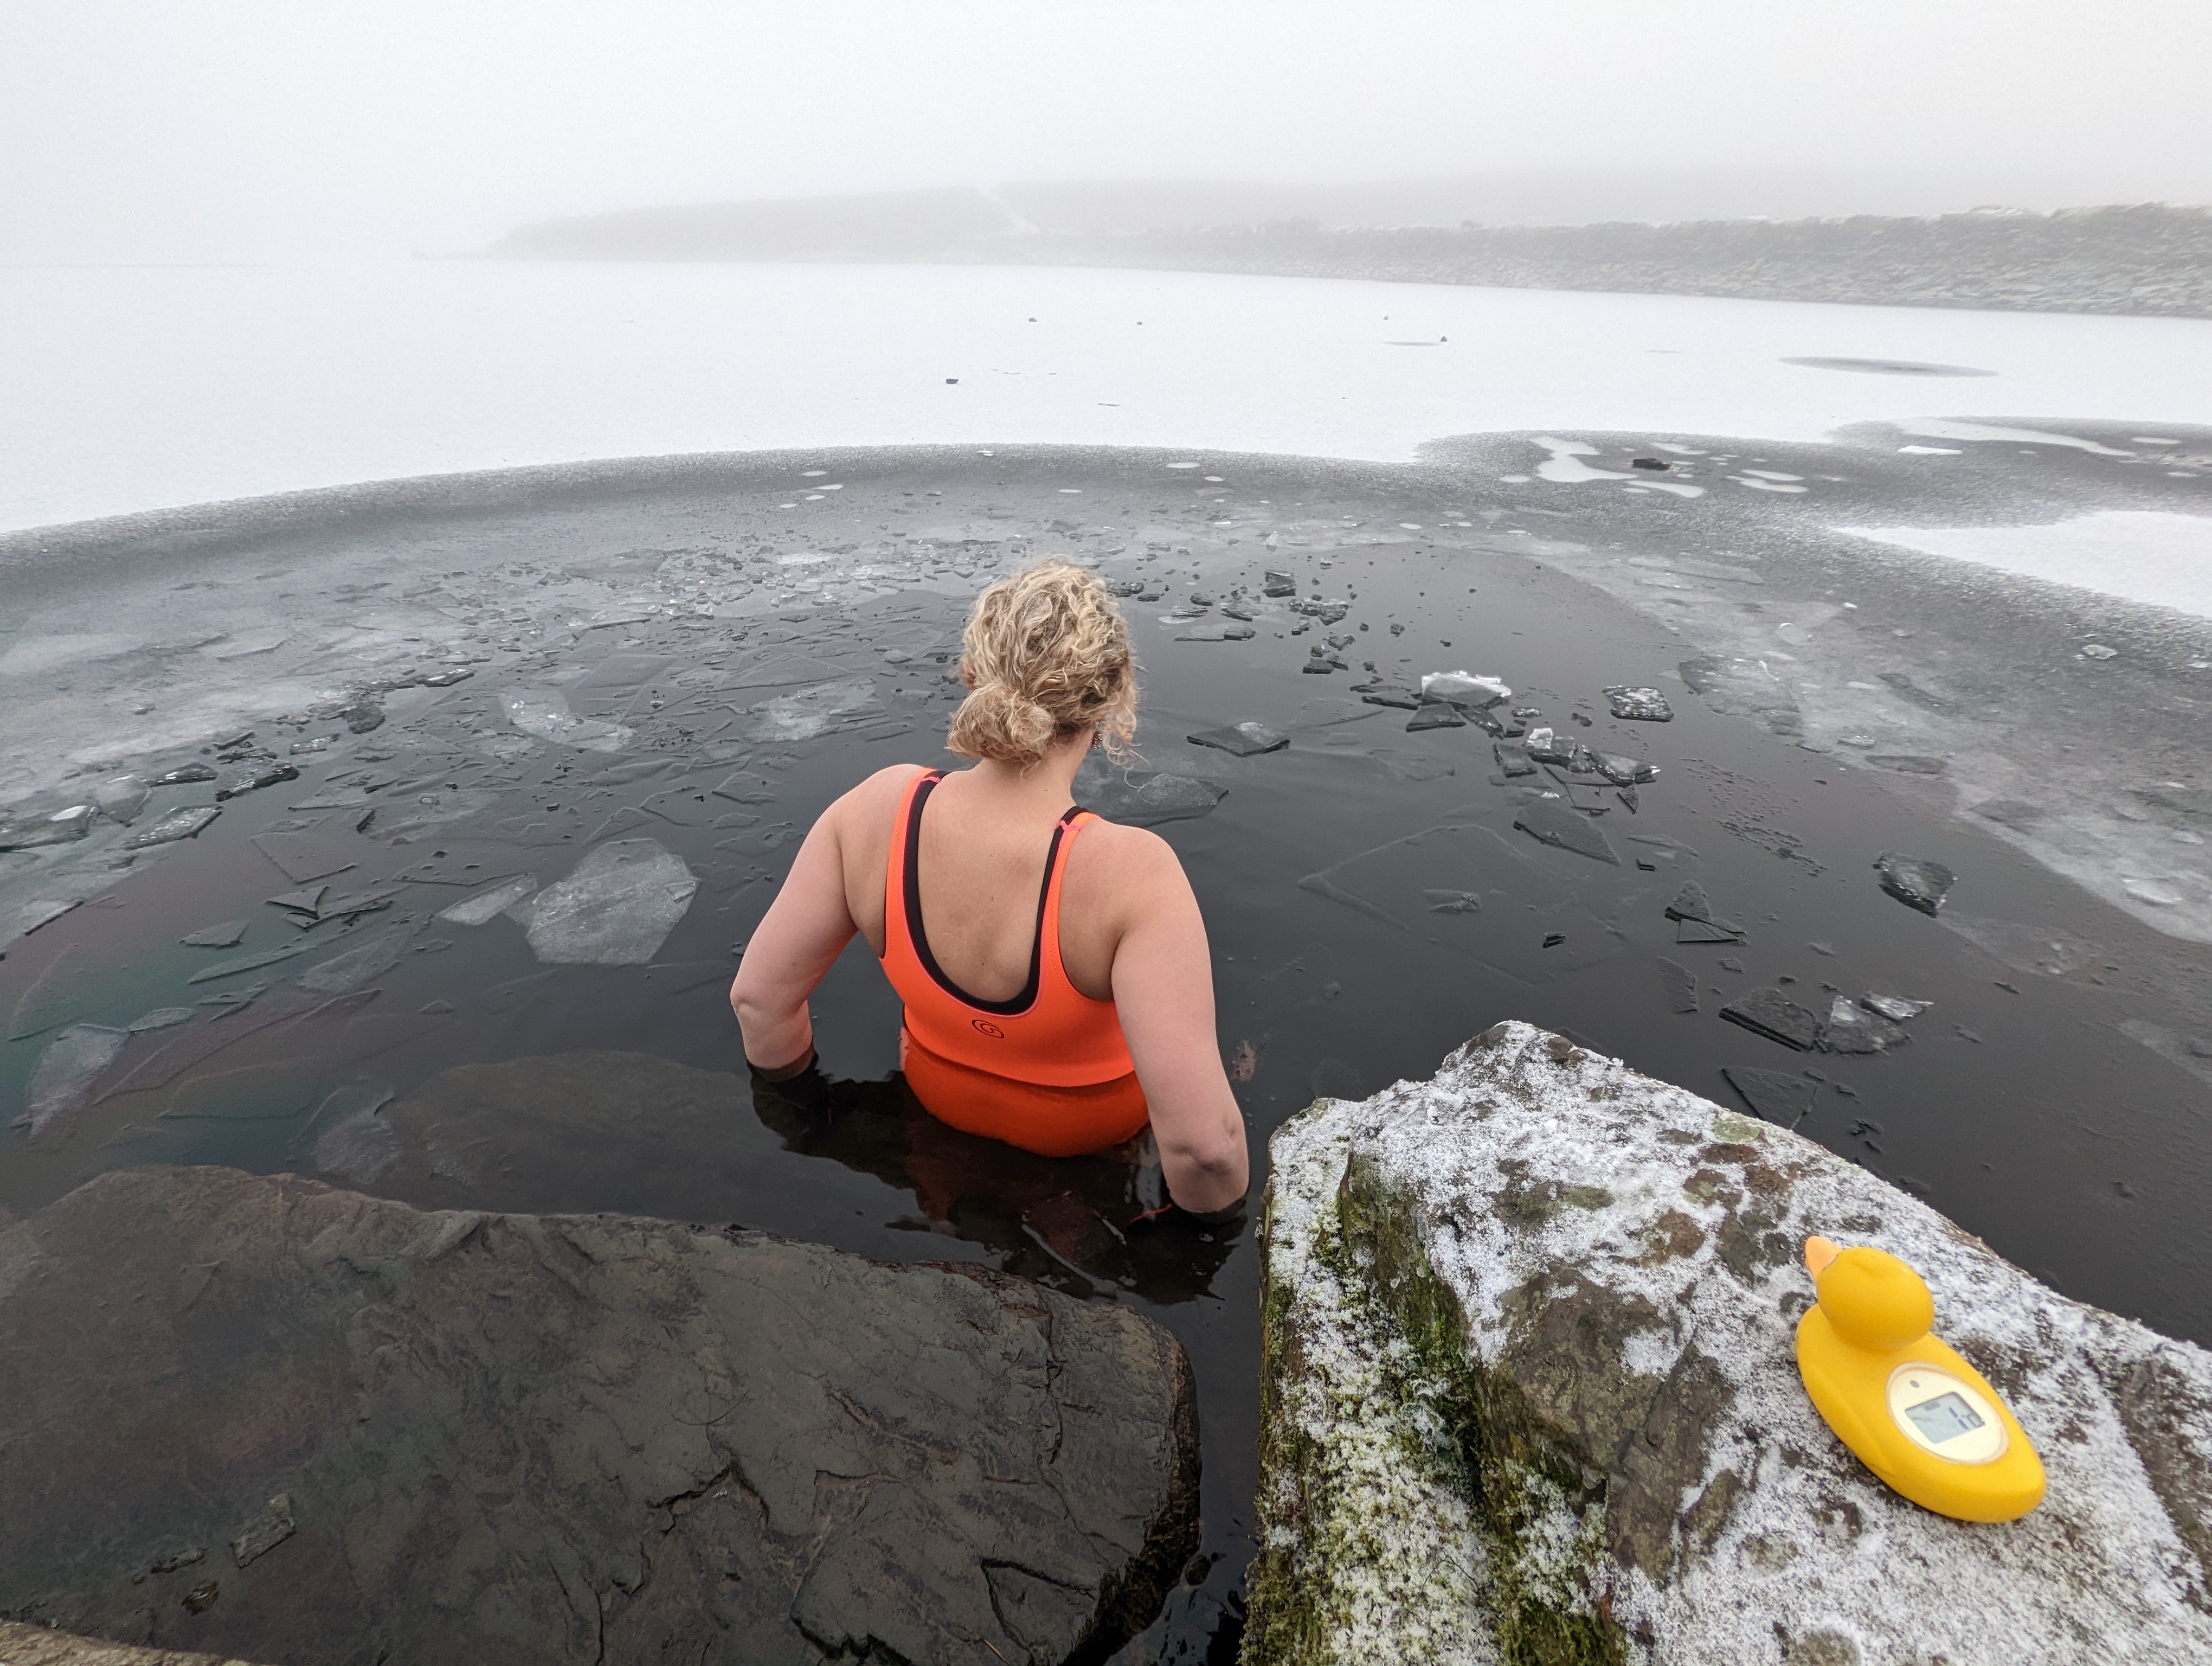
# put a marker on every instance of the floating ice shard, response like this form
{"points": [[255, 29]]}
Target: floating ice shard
{"points": [[1388, 694], [66, 1072], [1277, 584], [548, 717], [1681, 985], [372, 956], [1544, 746], [185, 774], [1771, 1013], [1639, 705], [807, 713], [1513, 757], [1914, 881], [122, 799], [1896, 1008], [1694, 916], [1623, 772], [162, 1018], [62, 827], [1144, 799], [1775, 1096], [488, 904], [1551, 822], [224, 936], [1851, 1029], [616, 908], [246, 963], [1242, 740], [1453, 902], [1464, 688], [254, 778]]}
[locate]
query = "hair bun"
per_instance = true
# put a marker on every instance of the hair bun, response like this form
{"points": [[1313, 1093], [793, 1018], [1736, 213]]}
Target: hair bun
{"points": [[1047, 655]]}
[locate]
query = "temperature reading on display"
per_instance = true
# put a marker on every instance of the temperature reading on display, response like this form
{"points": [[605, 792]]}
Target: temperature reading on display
{"points": [[1945, 1418]]}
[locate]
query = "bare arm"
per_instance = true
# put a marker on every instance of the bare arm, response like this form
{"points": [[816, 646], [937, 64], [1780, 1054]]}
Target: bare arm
{"points": [[1163, 993], [804, 932]]}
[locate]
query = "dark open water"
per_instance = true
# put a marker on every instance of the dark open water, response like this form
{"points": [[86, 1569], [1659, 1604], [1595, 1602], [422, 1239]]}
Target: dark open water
{"points": [[2020, 1111]]}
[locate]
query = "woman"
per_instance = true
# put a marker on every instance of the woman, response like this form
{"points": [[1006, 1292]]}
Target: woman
{"points": [[1053, 967]]}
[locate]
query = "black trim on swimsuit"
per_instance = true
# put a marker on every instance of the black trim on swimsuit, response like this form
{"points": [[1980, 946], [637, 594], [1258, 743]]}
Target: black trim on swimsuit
{"points": [[1027, 997]]}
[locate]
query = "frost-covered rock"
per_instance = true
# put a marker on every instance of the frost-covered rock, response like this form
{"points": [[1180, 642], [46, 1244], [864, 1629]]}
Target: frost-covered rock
{"points": [[1530, 1395]]}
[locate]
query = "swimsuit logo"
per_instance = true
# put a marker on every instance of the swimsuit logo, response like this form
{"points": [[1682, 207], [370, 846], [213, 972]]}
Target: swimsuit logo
{"points": [[990, 1029]]}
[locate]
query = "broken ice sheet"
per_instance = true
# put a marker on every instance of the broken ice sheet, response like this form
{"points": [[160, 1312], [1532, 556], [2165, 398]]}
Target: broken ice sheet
{"points": [[177, 824], [1623, 772], [1464, 688], [1771, 1013], [66, 1071], [307, 855], [61, 827], [1551, 821], [1914, 881], [1851, 1029], [547, 716], [1411, 766], [809, 712], [1242, 740], [1774, 1096], [1141, 797], [1465, 888], [1694, 914], [488, 904], [368, 958], [1513, 757], [616, 908], [121, 798], [1895, 1008], [224, 936], [1639, 705]]}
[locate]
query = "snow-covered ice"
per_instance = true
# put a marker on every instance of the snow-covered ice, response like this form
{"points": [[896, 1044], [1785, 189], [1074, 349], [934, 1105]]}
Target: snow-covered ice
{"points": [[141, 388]]}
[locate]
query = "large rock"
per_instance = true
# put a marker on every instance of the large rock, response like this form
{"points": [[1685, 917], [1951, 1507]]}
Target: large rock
{"points": [[258, 1415], [1530, 1397], [36, 1645]]}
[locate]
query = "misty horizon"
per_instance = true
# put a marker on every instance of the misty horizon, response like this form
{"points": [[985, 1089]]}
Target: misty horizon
{"points": [[238, 130]]}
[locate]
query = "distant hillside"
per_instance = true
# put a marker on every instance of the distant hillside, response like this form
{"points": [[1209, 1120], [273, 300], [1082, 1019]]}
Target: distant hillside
{"points": [[893, 225], [2148, 259]]}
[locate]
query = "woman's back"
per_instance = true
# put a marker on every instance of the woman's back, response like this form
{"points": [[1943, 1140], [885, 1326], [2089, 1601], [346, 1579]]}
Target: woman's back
{"points": [[1054, 968]]}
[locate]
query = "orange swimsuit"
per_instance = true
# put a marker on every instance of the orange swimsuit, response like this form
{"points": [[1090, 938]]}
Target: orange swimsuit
{"points": [[1049, 1070]]}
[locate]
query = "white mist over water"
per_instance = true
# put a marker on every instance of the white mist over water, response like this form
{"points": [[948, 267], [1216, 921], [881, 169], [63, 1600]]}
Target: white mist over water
{"points": [[141, 388]]}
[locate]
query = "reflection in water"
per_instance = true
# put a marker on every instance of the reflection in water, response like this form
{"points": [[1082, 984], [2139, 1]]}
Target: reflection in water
{"points": [[1075, 1223]]}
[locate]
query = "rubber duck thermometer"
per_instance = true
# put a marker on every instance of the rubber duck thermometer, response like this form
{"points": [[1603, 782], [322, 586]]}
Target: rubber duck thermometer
{"points": [[1915, 1413]]}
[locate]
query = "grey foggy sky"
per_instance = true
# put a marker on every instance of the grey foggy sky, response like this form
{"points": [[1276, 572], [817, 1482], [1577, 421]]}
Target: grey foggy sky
{"points": [[195, 129]]}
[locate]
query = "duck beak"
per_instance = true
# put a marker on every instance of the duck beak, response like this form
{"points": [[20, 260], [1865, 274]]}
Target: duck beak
{"points": [[1819, 1252]]}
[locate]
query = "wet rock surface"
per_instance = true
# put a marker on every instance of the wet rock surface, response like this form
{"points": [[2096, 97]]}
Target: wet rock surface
{"points": [[1532, 1395], [301, 1425], [39, 1645]]}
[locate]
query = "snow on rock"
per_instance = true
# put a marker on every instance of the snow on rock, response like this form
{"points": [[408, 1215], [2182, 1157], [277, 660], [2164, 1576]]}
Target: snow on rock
{"points": [[1530, 1394]]}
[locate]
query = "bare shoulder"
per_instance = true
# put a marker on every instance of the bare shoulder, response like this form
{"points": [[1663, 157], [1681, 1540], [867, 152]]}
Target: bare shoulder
{"points": [[1134, 864], [862, 806]]}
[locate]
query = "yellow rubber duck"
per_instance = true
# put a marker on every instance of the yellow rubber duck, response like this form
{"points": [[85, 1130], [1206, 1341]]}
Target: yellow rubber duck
{"points": [[1919, 1416]]}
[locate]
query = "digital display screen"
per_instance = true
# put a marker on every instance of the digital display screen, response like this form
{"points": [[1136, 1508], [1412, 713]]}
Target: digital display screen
{"points": [[1946, 1417]]}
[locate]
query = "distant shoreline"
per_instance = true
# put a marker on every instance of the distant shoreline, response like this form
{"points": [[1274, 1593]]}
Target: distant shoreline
{"points": [[2149, 259]]}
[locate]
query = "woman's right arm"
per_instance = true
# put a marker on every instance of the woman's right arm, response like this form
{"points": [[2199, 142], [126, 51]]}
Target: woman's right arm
{"points": [[804, 932]]}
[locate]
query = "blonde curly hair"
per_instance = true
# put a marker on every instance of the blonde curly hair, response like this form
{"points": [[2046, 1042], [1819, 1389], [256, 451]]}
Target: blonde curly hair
{"points": [[1046, 654]]}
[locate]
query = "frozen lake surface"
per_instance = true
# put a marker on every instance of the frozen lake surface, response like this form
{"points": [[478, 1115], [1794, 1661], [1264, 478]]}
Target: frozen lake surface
{"points": [[141, 388]]}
